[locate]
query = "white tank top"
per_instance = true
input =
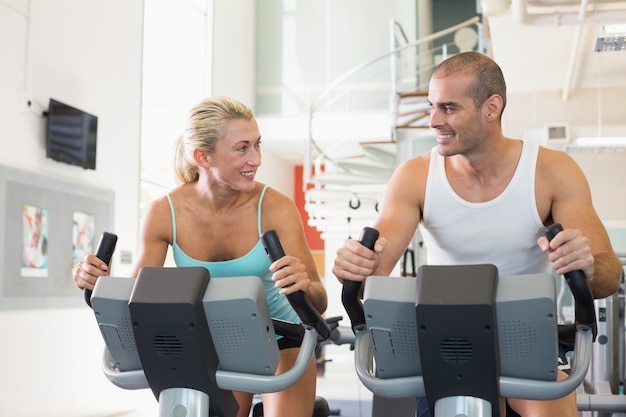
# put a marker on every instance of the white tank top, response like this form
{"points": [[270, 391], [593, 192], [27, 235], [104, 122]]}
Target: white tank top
{"points": [[502, 231]]}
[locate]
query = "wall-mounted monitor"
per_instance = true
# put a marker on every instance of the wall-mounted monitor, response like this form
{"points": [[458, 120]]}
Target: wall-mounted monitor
{"points": [[71, 135]]}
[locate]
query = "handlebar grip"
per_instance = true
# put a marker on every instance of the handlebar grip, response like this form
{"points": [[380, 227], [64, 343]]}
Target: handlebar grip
{"points": [[351, 289], [272, 244], [302, 305], [104, 252], [584, 308]]}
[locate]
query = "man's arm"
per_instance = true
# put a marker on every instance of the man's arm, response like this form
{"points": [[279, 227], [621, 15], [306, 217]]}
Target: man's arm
{"points": [[606, 264], [401, 210], [584, 243], [397, 224]]}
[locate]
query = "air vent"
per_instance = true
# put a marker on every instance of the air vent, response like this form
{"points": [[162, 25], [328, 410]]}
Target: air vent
{"points": [[404, 339], [610, 42], [125, 328], [518, 339], [230, 337], [167, 345], [456, 350]]}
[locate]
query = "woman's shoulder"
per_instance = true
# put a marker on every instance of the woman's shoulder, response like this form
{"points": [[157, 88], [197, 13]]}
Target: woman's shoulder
{"points": [[157, 208], [160, 206], [276, 206], [272, 195]]}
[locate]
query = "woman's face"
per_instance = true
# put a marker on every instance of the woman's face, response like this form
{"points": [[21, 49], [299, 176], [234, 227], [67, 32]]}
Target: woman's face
{"points": [[237, 155]]}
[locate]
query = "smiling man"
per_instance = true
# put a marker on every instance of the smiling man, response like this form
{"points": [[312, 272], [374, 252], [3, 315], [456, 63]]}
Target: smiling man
{"points": [[480, 197]]}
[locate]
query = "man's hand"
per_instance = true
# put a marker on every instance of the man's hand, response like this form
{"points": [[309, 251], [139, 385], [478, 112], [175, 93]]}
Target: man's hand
{"points": [[355, 262], [568, 251]]}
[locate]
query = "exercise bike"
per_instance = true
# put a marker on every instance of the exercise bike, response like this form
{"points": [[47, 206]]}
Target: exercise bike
{"points": [[463, 336], [193, 339]]}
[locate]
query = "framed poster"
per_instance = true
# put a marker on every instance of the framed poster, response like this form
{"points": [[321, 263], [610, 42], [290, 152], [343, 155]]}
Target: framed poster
{"points": [[34, 241], [46, 227]]}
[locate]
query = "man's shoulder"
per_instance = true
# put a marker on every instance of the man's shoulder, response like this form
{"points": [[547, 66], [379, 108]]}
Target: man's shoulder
{"points": [[557, 168], [552, 157], [418, 161]]}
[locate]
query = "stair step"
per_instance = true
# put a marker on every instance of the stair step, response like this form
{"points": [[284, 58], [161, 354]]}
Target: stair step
{"points": [[374, 153], [345, 197], [384, 156], [370, 193], [423, 125], [413, 110], [420, 119], [366, 169], [413, 101], [418, 93], [346, 179], [406, 109], [385, 145]]}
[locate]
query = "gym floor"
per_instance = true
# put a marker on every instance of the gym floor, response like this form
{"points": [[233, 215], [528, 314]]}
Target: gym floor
{"points": [[338, 383]]}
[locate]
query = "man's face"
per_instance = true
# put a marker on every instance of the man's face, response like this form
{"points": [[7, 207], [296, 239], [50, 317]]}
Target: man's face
{"points": [[454, 117]]}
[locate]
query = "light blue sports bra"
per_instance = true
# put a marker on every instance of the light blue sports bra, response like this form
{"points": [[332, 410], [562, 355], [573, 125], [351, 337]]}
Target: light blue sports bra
{"points": [[253, 263]]}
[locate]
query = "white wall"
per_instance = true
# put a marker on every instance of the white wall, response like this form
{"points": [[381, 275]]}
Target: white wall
{"points": [[528, 112], [88, 53], [307, 44], [62, 49]]}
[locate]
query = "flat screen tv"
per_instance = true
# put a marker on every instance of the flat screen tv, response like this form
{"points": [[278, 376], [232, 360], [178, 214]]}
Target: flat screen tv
{"points": [[71, 135]]}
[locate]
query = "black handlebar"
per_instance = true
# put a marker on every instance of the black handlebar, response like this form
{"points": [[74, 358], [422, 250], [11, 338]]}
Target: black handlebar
{"points": [[585, 312], [351, 289], [306, 311], [104, 252], [584, 308]]}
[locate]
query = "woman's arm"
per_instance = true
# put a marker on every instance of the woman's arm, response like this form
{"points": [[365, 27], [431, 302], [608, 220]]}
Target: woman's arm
{"points": [[297, 269], [154, 236]]}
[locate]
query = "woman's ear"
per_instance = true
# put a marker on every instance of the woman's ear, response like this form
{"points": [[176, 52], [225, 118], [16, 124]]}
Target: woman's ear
{"points": [[201, 157]]}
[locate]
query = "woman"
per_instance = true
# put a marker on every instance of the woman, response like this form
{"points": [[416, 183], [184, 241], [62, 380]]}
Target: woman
{"points": [[214, 220]]}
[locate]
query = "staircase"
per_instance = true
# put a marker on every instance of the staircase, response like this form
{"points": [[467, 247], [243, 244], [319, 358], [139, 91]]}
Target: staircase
{"points": [[364, 125]]}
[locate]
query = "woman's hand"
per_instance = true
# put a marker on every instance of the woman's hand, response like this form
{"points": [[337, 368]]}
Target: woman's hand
{"points": [[290, 275], [88, 270]]}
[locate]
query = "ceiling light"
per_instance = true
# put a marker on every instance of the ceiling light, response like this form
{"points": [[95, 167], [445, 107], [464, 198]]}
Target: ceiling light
{"points": [[617, 140], [597, 144], [614, 28]]}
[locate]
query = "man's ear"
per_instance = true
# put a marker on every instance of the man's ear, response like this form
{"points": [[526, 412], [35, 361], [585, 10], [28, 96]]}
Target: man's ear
{"points": [[494, 107]]}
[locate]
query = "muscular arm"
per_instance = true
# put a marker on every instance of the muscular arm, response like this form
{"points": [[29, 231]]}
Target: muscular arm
{"points": [[584, 244], [401, 210], [400, 214], [608, 267]]}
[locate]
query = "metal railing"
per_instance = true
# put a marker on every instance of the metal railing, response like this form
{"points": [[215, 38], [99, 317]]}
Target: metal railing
{"points": [[374, 86], [365, 104]]}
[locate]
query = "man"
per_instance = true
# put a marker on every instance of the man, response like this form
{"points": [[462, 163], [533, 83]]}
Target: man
{"points": [[481, 197]]}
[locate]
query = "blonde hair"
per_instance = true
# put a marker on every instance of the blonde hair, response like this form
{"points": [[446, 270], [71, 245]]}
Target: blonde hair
{"points": [[205, 126]]}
